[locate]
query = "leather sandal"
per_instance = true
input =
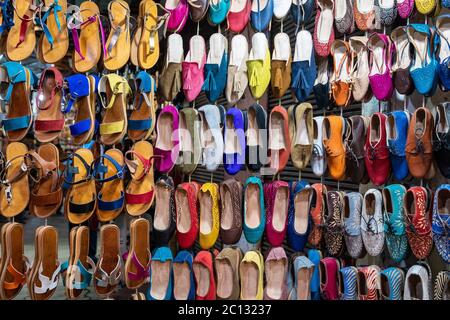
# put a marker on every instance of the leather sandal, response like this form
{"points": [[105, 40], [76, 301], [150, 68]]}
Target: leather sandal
{"points": [[15, 269], [109, 170], [136, 37], [109, 269], [19, 117], [138, 258], [113, 91], [15, 193], [54, 41], [50, 119], [118, 44], [142, 119], [87, 44], [6, 17], [21, 38], [46, 195], [139, 193], [69, 262], [35, 262], [81, 198]]}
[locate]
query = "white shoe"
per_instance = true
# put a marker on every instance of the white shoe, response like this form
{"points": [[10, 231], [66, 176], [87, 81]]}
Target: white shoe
{"points": [[417, 283], [281, 8], [318, 161], [237, 79]]}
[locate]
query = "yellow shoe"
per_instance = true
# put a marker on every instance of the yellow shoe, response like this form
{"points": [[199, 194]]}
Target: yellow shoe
{"points": [[425, 6], [209, 215], [251, 268], [258, 65]]}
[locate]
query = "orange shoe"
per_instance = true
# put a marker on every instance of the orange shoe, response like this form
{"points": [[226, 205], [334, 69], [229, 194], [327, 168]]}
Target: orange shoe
{"points": [[279, 140], [333, 128]]}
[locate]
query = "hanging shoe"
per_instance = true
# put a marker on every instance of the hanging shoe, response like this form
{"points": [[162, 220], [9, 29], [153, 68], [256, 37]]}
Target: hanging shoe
{"points": [[318, 211], [216, 67], [251, 273], [182, 271], [234, 141], [258, 65], [343, 16], [441, 139], [187, 221], [298, 224], [254, 210], [426, 7], [303, 66], [392, 283], [369, 282], [365, 14], [321, 85], [418, 283], [354, 145], [198, 9], [218, 11], [348, 283], [204, 276], [237, 79], [333, 130], [281, 65], [179, 14], [442, 283], [329, 268], [440, 221], [402, 62], [372, 223], [442, 46], [301, 11], [167, 146], [359, 67], [380, 77], [231, 193], [161, 278], [323, 27], [276, 273], [256, 138], [405, 8], [164, 215], [239, 15], [352, 224], [315, 256], [208, 198], [192, 68], [226, 265], [334, 221], [211, 137], [281, 9], [397, 130], [170, 82], [261, 14], [318, 161], [190, 140], [279, 141], [388, 11], [276, 199], [341, 87]]}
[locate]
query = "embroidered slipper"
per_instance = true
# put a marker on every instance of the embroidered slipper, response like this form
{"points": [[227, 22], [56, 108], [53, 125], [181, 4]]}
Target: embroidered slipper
{"points": [[381, 52], [15, 193], [167, 146], [192, 68], [20, 81], [109, 171], [109, 269], [77, 93], [46, 273], [15, 269], [187, 214], [258, 65], [216, 67], [143, 117], [50, 120], [138, 258], [118, 44], [190, 144], [21, 38], [281, 65], [46, 194], [88, 44], [237, 79], [139, 193], [81, 198], [54, 41], [113, 92], [323, 27], [170, 81], [161, 278]]}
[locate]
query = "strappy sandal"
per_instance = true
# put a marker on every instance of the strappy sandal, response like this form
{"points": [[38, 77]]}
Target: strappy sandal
{"points": [[81, 198], [19, 117], [15, 193], [118, 44], [138, 258], [139, 194], [21, 37], [54, 41], [142, 119], [46, 194], [109, 170], [114, 99], [50, 120], [109, 269], [88, 44], [77, 92], [15, 269], [45, 273], [341, 85]]}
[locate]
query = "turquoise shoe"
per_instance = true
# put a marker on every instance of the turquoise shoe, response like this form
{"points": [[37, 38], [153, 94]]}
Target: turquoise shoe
{"points": [[392, 280], [218, 10], [315, 256], [254, 210], [160, 287]]}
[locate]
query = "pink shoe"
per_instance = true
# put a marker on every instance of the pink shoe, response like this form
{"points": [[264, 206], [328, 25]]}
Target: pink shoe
{"points": [[167, 145], [276, 195], [405, 8], [179, 13], [323, 29], [381, 51], [239, 15], [192, 68]]}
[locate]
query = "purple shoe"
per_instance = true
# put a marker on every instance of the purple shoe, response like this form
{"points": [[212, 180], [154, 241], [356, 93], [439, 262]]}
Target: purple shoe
{"points": [[179, 13], [167, 145]]}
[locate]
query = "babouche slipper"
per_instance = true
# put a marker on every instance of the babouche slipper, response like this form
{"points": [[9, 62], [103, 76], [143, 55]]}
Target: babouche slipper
{"points": [[170, 83]]}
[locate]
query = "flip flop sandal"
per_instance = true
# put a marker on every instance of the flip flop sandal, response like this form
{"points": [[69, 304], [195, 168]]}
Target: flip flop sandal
{"points": [[46, 194], [77, 92], [6, 16], [15, 193], [19, 117], [138, 258], [14, 275], [109, 269], [136, 38], [142, 119], [50, 120], [118, 44], [21, 38], [139, 194], [114, 123], [109, 170], [65, 266], [88, 44], [54, 41], [36, 261], [47, 271], [3, 246], [81, 198], [148, 48]]}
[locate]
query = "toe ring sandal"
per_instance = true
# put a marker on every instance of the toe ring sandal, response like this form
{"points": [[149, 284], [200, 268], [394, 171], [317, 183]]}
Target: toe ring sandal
{"points": [[142, 272], [112, 279], [47, 284], [76, 272], [19, 278], [7, 15], [42, 19], [7, 182]]}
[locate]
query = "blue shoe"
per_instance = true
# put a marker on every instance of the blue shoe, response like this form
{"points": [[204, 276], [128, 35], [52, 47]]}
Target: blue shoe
{"points": [[397, 125], [394, 224], [302, 265], [7, 10], [254, 210], [216, 67], [234, 141], [261, 14], [163, 255], [352, 221], [297, 238], [315, 256], [304, 71], [182, 264], [441, 222], [392, 282], [218, 12], [302, 11], [348, 283], [442, 46], [423, 70]]}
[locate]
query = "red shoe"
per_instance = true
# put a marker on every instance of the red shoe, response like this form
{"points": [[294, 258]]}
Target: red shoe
{"points": [[377, 152], [238, 16], [418, 221], [187, 213], [276, 195], [324, 27], [369, 282], [204, 276], [329, 268]]}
